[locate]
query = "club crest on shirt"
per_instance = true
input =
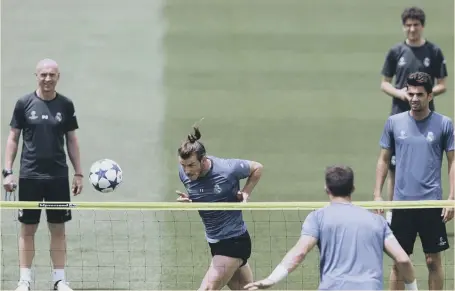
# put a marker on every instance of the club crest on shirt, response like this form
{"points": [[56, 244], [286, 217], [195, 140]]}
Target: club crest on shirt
{"points": [[402, 135], [217, 189], [58, 117], [426, 62], [430, 136], [33, 115]]}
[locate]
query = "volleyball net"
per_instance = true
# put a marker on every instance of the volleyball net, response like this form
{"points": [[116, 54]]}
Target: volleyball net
{"points": [[162, 246]]}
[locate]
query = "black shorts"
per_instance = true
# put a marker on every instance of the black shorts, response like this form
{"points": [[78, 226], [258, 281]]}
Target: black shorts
{"points": [[407, 223], [236, 247], [52, 190]]}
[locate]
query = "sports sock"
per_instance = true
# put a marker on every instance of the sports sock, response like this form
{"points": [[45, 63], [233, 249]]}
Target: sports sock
{"points": [[58, 275], [26, 274]]}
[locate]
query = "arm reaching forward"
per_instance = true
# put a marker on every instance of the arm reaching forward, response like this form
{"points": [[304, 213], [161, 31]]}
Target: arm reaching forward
{"points": [[289, 263]]}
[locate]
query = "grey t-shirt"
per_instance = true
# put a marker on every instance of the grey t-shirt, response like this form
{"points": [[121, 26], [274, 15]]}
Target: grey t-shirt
{"points": [[220, 184], [44, 125], [351, 244], [419, 150]]}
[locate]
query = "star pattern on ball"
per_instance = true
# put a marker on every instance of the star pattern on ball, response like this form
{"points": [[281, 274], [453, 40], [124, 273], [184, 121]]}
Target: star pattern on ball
{"points": [[105, 175], [101, 173], [114, 185], [116, 168]]}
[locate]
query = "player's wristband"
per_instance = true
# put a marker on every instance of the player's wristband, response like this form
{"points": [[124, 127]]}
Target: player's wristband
{"points": [[7, 172], [79, 175], [411, 286], [278, 274]]}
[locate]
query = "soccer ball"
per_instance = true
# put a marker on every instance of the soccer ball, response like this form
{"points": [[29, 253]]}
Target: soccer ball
{"points": [[105, 175]]}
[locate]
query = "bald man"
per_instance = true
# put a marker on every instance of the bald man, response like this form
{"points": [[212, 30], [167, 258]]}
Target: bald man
{"points": [[47, 120]]}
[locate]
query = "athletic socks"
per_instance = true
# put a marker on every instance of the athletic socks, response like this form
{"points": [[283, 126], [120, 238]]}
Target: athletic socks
{"points": [[25, 274], [58, 275]]}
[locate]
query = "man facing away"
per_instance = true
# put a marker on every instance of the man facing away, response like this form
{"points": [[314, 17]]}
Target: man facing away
{"points": [[351, 241]]}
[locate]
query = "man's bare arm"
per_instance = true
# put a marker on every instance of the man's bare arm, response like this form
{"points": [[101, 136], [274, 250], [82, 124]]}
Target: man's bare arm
{"points": [[382, 169], [451, 167], [440, 87], [12, 144], [389, 89], [73, 151], [289, 263], [253, 179], [293, 258], [394, 250]]}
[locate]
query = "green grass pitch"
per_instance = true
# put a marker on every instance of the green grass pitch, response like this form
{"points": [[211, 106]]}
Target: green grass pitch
{"points": [[293, 84]]}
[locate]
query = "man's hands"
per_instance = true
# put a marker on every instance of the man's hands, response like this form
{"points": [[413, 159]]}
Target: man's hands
{"points": [[262, 284], [243, 196], [447, 214], [9, 183], [404, 95], [77, 186], [378, 198], [183, 197]]}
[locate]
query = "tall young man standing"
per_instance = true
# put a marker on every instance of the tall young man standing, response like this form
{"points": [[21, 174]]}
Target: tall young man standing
{"points": [[419, 138], [415, 54]]}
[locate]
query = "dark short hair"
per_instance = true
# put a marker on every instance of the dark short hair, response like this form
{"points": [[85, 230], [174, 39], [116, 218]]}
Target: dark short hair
{"points": [[192, 145], [420, 79], [339, 180], [414, 13]]}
